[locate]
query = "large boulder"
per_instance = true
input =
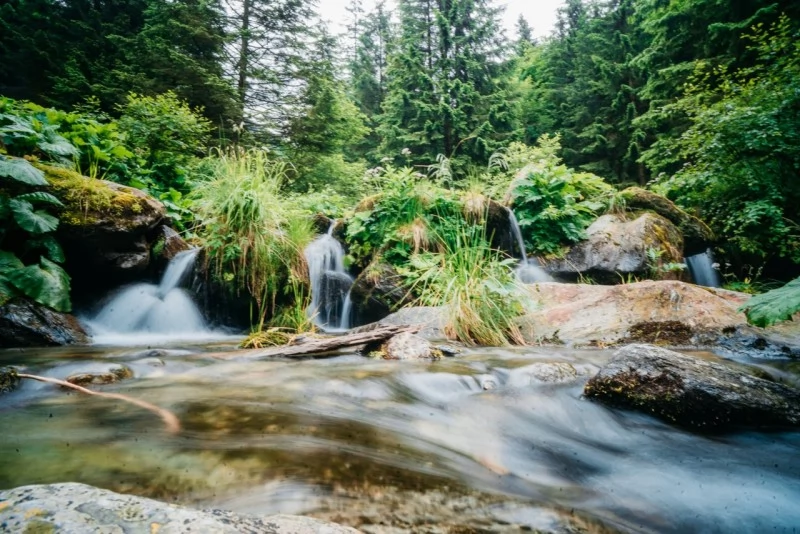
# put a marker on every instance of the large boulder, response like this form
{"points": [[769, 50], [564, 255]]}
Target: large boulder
{"points": [[77, 508], [692, 392], [697, 236], [24, 323], [616, 247], [669, 312], [106, 229], [377, 291]]}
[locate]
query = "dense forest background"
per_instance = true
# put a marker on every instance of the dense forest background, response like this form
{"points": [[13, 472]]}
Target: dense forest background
{"points": [[698, 100]]}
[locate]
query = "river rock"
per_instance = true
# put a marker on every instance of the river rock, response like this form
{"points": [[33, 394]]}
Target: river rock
{"points": [[24, 323], [432, 319], [114, 374], [615, 247], [9, 380], [407, 346], [167, 243], [77, 508], [692, 392], [106, 229], [697, 236], [377, 291], [663, 312]]}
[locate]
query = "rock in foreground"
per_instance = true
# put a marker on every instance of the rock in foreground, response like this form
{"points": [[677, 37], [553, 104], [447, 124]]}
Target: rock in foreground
{"points": [[78, 508], [692, 392], [24, 323]]}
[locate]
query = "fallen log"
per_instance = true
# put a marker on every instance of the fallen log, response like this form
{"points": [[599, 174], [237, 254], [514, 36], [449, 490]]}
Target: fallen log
{"points": [[307, 346]]}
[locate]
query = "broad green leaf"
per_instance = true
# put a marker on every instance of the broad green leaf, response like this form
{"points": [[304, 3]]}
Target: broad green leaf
{"points": [[35, 222], [60, 147], [773, 306], [9, 261], [50, 245], [40, 197], [21, 171], [47, 284]]}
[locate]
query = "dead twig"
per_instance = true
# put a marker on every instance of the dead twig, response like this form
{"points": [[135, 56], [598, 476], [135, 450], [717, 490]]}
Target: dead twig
{"points": [[170, 420]]}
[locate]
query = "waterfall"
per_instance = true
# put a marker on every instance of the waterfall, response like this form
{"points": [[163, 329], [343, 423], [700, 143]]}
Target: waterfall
{"points": [[330, 284], [147, 312], [702, 269], [529, 271]]}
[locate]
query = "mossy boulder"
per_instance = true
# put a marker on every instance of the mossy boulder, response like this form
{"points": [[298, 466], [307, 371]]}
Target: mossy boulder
{"points": [[692, 392], [616, 247], [9, 380], [697, 236], [106, 229], [377, 291]]}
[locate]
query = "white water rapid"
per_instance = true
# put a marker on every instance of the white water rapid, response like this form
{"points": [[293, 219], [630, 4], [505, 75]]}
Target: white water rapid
{"points": [[330, 284], [148, 313], [529, 271], [702, 269]]}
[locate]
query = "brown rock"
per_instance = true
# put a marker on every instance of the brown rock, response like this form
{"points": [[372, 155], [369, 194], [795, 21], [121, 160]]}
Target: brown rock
{"points": [[407, 346], [24, 323]]}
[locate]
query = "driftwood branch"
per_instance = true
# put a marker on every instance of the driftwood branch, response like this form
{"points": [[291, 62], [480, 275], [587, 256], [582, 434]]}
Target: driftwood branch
{"points": [[319, 346], [169, 418]]}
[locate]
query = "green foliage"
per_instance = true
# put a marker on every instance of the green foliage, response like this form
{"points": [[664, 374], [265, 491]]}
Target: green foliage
{"points": [[773, 306], [26, 231], [28, 132], [166, 134], [554, 204], [477, 286], [252, 234], [410, 214], [743, 148]]}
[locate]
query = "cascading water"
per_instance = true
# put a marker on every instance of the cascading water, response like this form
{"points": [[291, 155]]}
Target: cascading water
{"points": [[702, 270], [331, 306], [528, 271], [146, 312]]}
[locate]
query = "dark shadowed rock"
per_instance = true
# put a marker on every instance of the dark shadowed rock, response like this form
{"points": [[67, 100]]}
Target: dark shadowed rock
{"points": [[377, 291], [77, 508], [167, 243], [697, 236], [24, 323], [321, 223], [615, 246], [692, 392], [9, 380]]}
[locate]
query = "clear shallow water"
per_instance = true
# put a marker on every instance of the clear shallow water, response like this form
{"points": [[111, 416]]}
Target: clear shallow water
{"points": [[406, 444]]}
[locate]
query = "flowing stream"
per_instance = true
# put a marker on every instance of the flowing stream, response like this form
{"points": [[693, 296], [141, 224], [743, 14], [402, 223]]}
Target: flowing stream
{"points": [[528, 270], [702, 271], [142, 312], [331, 307], [475, 443]]}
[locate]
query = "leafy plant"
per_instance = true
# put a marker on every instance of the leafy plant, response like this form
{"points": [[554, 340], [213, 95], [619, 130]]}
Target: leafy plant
{"points": [[773, 306], [475, 283], [27, 232]]}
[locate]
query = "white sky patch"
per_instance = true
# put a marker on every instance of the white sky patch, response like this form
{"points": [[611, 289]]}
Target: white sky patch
{"points": [[541, 14]]}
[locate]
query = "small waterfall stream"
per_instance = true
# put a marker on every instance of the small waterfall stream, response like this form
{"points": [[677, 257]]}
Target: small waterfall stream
{"points": [[331, 306], [528, 271], [144, 312], [702, 271]]}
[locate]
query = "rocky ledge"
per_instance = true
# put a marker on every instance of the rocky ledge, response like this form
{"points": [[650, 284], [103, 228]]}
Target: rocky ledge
{"points": [[692, 392], [78, 508]]}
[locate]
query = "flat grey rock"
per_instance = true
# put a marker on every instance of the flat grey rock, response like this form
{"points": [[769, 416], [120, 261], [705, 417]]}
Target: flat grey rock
{"points": [[77, 508]]}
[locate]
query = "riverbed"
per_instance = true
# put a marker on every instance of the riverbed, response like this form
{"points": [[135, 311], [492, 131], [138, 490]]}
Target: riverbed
{"points": [[488, 441]]}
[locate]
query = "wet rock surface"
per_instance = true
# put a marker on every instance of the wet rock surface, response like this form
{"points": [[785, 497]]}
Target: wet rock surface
{"points": [[432, 318], [8, 379], [407, 346], [615, 246], [692, 392], [24, 323], [167, 243], [376, 291], [114, 374], [78, 508], [664, 312]]}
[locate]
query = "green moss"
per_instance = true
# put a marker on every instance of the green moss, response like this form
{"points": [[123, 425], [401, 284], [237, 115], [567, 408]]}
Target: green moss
{"points": [[87, 200]]}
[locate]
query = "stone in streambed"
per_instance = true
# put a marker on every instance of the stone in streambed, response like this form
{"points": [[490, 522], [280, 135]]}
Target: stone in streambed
{"points": [[24, 323], [692, 392], [113, 375], [407, 346], [77, 508], [8, 379]]}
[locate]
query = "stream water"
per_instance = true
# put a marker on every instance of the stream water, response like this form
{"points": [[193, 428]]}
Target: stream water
{"points": [[474, 443]]}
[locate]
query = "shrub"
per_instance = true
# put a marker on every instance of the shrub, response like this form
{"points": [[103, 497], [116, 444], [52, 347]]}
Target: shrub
{"points": [[254, 236], [773, 306], [477, 286]]}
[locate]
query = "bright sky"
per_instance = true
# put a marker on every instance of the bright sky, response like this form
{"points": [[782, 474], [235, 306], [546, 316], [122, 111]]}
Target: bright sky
{"points": [[541, 14]]}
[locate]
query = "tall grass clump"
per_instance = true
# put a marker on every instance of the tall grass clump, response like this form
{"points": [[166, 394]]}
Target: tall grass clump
{"points": [[475, 283], [253, 234]]}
